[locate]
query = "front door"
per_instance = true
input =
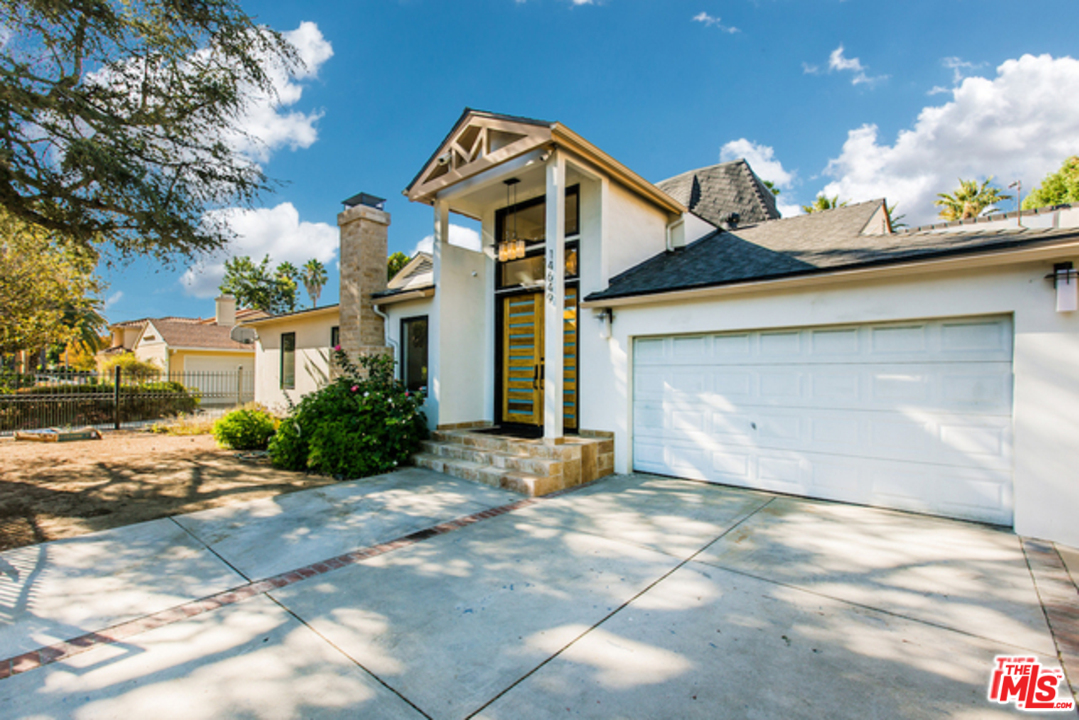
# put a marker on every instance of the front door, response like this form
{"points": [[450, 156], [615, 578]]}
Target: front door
{"points": [[522, 359]]}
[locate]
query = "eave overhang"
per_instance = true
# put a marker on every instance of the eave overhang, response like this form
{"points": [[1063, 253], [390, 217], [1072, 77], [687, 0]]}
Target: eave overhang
{"points": [[831, 276], [403, 296]]}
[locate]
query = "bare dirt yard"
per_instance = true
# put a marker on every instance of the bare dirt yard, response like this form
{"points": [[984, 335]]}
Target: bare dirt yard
{"points": [[50, 491]]}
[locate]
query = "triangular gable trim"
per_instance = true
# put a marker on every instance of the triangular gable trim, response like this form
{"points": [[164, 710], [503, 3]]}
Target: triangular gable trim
{"points": [[477, 142]]}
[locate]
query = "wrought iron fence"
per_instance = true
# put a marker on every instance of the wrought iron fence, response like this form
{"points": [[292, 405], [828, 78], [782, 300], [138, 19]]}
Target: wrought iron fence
{"points": [[42, 400]]}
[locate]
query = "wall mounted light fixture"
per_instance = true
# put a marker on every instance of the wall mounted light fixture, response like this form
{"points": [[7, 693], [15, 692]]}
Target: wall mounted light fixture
{"points": [[606, 318], [1066, 281]]}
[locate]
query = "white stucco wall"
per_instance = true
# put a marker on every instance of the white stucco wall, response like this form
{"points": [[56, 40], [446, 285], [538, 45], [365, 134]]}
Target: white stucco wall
{"points": [[312, 358], [696, 228], [461, 370], [1046, 363], [634, 231]]}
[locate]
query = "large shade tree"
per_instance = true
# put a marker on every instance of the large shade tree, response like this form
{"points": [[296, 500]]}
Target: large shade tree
{"points": [[395, 263], [119, 121], [261, 286], [969, 200], [47, 289]]}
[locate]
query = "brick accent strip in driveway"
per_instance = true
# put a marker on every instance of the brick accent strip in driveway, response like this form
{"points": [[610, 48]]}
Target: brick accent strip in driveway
{"points": [[61, 651], [1060, 601]]}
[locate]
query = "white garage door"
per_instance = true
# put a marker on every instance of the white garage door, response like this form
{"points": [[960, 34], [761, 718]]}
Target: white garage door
{"points": [[915, 416]]}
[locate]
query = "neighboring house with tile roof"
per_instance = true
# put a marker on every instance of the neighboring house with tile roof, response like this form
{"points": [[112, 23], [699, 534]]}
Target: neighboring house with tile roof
{"points": [[931, 370], [197, 351]]}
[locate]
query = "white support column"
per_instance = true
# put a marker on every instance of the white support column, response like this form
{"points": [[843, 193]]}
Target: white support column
{"points": [[554, 300], [434, 334]]}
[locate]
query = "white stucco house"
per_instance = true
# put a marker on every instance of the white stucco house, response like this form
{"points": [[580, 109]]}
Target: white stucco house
{"points": [[683, 328]]}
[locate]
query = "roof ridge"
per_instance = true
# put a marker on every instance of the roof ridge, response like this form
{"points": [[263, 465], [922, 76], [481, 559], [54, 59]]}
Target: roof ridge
{"points": [[760, 188], [700, 169]]}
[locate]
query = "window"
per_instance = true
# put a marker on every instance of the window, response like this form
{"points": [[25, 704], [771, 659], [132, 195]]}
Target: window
{"points": [[528, 220], [288, 361], [530, 217], [414, 353], [335, 336]]}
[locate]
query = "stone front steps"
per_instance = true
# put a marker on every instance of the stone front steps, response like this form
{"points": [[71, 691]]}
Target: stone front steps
{"points": [[529, 467]]}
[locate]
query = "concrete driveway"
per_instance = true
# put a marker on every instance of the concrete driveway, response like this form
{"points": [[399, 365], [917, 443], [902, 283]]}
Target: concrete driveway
{"points": [[418, 595]]}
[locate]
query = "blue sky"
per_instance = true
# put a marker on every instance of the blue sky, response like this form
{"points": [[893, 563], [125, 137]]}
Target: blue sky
{"points": [[857, 98]]}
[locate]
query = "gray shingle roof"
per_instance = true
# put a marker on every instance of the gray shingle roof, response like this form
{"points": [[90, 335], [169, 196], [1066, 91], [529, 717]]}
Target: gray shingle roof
{"points": [[802, 245], [714, 192]]}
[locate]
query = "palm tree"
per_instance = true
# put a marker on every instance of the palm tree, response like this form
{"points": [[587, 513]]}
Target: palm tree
{"points": [[969, 199], [87, 322], [823, 202], [314, 279]]}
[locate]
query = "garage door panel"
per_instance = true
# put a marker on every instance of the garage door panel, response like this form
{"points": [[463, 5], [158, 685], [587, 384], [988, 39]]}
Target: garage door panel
{"points": [[961, 340], [915, 416], [984, 387], [946, 439]]}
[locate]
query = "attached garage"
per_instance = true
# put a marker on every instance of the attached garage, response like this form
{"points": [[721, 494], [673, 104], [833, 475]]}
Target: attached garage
{"points": [[913, 415]]}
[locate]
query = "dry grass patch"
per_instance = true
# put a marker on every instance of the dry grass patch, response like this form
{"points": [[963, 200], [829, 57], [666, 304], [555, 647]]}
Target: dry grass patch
{"points": [[50, 491]]}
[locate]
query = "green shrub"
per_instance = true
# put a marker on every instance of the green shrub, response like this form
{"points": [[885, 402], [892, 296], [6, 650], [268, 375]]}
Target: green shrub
{"points": [[354, 427], [249, 428]]}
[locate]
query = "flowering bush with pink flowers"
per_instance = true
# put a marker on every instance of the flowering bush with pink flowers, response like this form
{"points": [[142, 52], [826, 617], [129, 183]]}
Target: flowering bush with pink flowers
{"points": [[363, 423]]}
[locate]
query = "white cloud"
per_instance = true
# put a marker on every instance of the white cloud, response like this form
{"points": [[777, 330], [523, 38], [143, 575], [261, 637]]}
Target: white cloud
{"points": [[113, 299], [788, 209], [808, 69], [460, 236], [266, 125], [957, 66], [838, 62], [1019, 125], [277, 232], [710, 21]]}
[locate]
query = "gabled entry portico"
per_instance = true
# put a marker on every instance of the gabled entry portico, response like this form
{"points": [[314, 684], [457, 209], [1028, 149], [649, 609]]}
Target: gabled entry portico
{"points": [[504, 343], [527, 287]]}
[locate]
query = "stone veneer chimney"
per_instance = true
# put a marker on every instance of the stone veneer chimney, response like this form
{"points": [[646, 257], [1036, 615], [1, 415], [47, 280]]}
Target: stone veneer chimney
{"points": [[364, 227]]}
